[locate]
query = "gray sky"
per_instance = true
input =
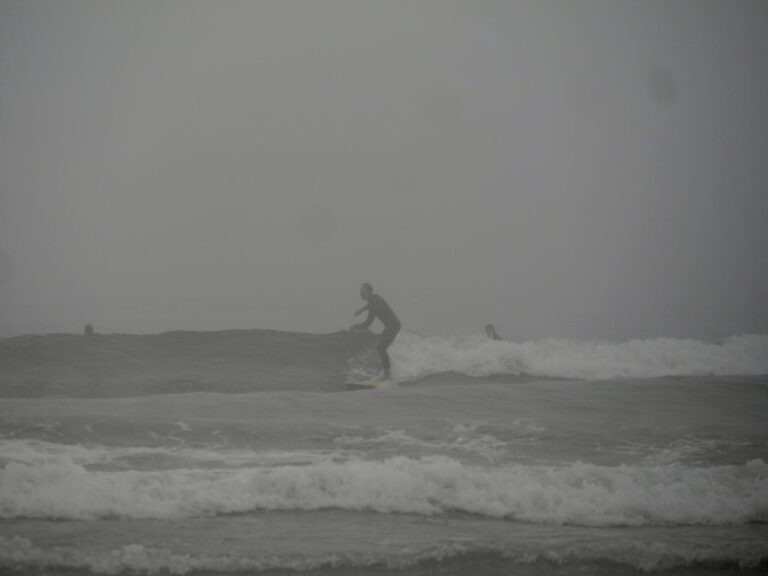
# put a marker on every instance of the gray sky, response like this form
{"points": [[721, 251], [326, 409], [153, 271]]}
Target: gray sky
{"points": [[586, 169]]}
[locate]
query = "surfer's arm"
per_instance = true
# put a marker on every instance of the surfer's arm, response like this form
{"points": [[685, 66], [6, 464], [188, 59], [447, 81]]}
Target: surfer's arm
{"points": [[368, 321], [363, 309]]}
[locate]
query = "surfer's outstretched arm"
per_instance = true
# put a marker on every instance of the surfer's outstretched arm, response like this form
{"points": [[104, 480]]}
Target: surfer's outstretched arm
{"points": [[363, 309], [368, 321]]}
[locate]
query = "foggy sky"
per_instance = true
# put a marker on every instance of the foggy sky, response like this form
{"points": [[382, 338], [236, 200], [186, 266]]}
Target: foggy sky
{"points": [[586, 169]]}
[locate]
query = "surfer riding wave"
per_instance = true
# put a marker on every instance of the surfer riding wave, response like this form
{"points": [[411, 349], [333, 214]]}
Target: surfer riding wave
{"points": [[377, 307]]}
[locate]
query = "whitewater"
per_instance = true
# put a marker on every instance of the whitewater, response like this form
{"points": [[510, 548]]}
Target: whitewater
{"points": [[246, 452]]}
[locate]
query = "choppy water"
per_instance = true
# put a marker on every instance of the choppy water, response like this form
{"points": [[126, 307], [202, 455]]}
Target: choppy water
{"points": [[244, 452]]}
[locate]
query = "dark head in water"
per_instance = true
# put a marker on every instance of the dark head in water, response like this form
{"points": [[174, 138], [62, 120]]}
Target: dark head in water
{"points": [[491, 332]]}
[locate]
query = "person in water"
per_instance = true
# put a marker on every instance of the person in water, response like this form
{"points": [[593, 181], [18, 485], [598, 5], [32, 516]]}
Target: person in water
{"points": [[377, 307], [491, 332]]}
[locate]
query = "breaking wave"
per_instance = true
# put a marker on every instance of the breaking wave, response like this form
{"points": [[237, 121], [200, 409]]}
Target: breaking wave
{"points": [[237, 361], [578, 493], [416, 357]]}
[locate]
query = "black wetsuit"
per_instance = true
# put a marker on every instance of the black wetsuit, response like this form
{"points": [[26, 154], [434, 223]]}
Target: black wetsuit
{"points": [[378, 308]]}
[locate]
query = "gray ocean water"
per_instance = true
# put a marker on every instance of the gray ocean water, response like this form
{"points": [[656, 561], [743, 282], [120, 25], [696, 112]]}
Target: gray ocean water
{"points": [[245, 452]]}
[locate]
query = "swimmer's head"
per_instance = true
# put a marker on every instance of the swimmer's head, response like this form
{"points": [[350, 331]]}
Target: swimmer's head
{"points": [[490, 330], [366, 290]]}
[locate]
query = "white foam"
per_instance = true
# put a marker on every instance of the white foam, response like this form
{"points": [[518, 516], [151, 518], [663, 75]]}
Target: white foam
{"points": [[579, 493], [415, 357], [463, 438]]}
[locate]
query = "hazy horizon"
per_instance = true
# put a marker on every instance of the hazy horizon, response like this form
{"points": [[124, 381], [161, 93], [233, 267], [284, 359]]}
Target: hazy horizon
{"points": [[590, 170]]}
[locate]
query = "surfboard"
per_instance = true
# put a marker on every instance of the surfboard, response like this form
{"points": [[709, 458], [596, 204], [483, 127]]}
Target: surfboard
{"points": [[373, 384]]}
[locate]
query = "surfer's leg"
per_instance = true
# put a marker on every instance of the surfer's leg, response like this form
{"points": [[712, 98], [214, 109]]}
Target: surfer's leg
{"points": [[384, 361], [386, 339]]}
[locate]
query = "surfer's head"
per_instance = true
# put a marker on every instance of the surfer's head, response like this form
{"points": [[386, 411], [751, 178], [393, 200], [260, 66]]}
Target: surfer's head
{"points": [[490, 330], [366, 291]]}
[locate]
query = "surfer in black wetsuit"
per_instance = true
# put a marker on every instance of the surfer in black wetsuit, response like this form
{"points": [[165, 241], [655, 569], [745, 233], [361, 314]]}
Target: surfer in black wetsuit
{"points": [[377, 307], [491, 332]]}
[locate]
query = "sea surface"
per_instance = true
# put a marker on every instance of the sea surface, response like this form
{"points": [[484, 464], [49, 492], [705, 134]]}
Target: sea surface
{"points": [[245, 452]]}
